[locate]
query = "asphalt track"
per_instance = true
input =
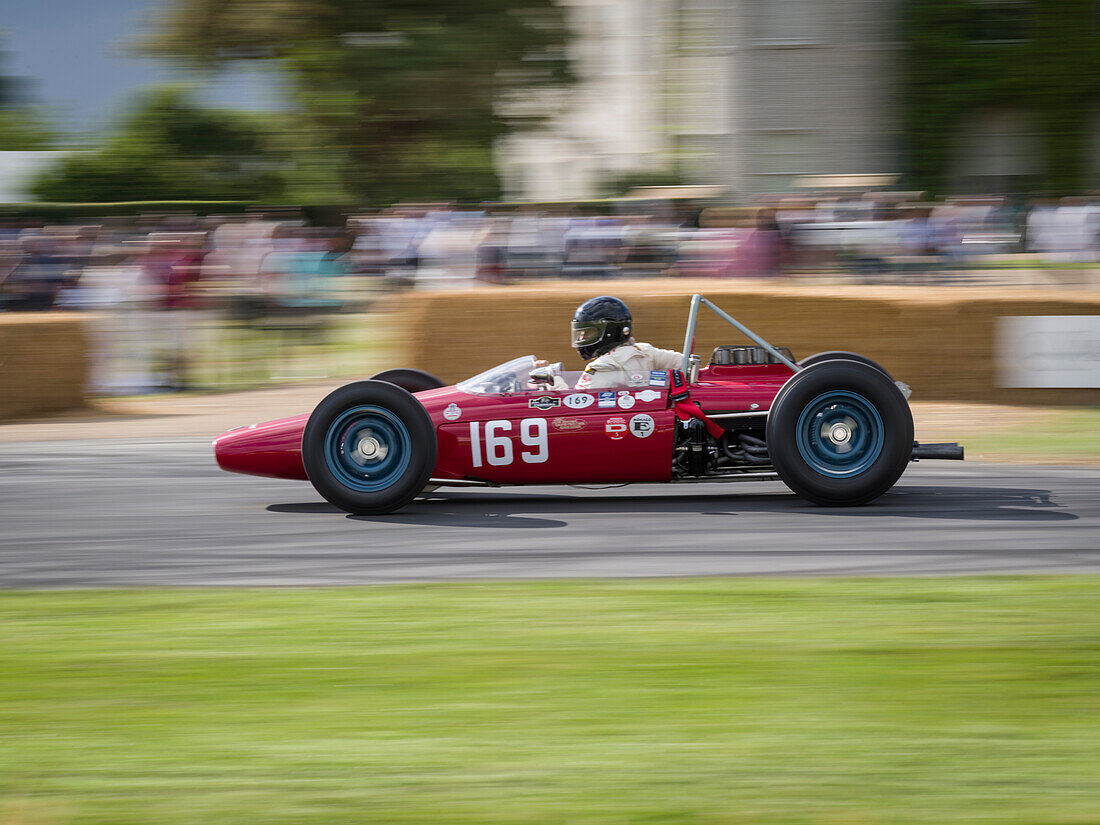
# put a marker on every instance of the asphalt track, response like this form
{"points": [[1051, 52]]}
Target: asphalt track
{"points": [[123, 513]]}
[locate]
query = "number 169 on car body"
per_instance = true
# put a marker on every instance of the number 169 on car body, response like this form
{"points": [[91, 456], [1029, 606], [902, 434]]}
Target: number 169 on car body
{"points": [[497, 444]]}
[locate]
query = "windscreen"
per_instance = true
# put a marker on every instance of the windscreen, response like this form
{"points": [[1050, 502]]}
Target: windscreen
{"points": [[510, 376]]}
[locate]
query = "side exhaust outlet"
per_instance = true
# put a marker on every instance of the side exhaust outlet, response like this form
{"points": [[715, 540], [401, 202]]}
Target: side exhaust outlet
{"points": [[946, 452]]}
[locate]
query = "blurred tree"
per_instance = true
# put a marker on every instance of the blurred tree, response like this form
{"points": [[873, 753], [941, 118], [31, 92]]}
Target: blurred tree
{"points": [[169, 148], [21, 125], [400, 101], [966, 56], [623, 184], [22, 129]]}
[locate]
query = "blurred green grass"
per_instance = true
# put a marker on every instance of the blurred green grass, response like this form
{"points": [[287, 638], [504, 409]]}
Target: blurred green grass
{"points": [[1062, 437], [234, 356], [675, 701]]}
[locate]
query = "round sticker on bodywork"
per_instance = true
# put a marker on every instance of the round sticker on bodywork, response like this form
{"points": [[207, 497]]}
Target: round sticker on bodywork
{"points": [[641, 425], [579, 400]]}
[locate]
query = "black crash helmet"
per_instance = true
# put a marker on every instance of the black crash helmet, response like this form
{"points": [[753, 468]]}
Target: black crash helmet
{"points": [[599, 325]]}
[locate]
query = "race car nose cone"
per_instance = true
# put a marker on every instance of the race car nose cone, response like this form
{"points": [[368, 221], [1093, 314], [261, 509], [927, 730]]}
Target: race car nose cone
{"points": [[273, 448]]}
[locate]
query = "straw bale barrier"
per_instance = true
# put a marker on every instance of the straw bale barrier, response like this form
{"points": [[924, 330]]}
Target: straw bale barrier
{"points": [[940, 340], [43, 363]]}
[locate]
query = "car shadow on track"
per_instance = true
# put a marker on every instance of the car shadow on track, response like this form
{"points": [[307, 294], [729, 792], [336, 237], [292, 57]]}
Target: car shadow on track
{"points": [[467, 514], [519, 508]]}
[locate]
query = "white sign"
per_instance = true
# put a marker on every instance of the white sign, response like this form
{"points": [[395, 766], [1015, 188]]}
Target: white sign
{"points": [[1048, 351]]}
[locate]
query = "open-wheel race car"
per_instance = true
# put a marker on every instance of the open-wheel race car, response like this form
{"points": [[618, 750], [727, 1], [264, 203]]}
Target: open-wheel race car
{"points": [[834, 427]]}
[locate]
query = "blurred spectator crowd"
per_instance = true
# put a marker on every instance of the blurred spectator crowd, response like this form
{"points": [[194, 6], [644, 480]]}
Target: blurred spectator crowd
{"points": [[159, 274]]}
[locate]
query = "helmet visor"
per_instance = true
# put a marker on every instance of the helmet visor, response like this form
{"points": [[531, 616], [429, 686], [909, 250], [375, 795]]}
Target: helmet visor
{"points": [[586, 333]]}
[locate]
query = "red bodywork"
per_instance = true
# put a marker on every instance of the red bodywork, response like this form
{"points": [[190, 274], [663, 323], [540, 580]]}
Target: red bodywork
{"points": [[588, 445]]}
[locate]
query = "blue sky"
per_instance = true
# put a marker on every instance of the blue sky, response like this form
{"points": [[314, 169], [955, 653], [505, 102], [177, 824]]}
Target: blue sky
{"points": [[72, 52]]}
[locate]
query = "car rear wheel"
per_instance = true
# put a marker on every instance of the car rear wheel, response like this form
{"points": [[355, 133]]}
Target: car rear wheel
{"points": [[369, 447], [841, 355], [409, 380], [840, 433]]}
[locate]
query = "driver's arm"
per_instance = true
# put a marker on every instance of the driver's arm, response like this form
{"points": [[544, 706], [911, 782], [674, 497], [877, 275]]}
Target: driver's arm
{"points": [[598, 376], [665, 359]]}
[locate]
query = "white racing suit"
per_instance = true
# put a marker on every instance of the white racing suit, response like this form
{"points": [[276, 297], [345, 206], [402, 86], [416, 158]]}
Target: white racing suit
{"points": [[628, 365]]}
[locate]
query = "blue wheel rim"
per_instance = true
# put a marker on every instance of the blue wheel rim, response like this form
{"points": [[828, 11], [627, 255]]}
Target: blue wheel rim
{"points": [[367, 448], [840, 434]]}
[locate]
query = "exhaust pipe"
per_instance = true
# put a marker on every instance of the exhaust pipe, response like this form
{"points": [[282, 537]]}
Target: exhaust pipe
{"points": [[947, 452]]}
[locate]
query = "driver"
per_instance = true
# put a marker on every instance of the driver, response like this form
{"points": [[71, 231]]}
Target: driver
{"points": [[601, 335]]}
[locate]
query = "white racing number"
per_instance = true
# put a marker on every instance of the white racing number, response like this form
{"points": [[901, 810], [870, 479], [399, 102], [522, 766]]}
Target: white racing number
{"points": [[497, 447]]}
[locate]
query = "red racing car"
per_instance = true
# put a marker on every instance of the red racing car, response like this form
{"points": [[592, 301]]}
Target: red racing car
{"points": [[835, 427]]}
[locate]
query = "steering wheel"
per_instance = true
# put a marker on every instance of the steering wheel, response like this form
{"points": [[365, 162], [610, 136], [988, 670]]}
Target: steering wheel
{"points": [[508, 384]]}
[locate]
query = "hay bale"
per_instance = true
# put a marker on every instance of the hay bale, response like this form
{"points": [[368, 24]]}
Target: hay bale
{"points": [[43, 363], [939, 340]]}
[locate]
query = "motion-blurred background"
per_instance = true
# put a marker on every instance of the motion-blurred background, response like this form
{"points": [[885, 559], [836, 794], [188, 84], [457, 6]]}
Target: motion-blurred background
{"points": [[231, 185], [222, 195]]}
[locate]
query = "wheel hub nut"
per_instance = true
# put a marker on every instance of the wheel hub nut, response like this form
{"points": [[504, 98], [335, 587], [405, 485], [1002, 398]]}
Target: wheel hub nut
{"points": [[370, 449]]}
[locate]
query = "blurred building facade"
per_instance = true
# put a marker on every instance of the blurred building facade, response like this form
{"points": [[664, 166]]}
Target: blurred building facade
{"points": [[748, 94], [612, 121], [816, 85]]}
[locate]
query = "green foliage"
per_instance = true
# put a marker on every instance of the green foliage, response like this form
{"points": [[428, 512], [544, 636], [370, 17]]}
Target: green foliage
{"points": [[169, 148], [66, 211], [403, 97], [623, 184], [24, 129], [966, 56]]}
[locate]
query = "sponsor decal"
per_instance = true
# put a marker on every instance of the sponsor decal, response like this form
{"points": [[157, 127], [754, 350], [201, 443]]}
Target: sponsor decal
{"points": [[626, 401], [453, 412], [579, 400], [607, 399], [544, 402], [637, 379], [568, 423], [658, 378], [615, 428], [648, 395], [642, 425]]}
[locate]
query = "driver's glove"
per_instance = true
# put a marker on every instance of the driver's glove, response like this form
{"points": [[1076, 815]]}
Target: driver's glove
{"points": [[542, 375], [545, 375]]}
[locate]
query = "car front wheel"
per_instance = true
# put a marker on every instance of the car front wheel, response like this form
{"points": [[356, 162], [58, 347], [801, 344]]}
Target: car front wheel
{"points": [[369, 448]]}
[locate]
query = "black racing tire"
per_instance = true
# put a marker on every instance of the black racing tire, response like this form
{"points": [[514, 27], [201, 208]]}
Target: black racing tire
{"points": [[840, 433], [369, 447], [841, 355], [409, 380]]}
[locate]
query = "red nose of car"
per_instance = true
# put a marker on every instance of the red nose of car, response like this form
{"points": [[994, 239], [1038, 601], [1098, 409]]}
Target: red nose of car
{"points": [[273, 449]]}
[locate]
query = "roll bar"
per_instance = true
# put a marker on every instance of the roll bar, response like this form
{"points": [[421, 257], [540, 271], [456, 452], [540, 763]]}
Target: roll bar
{"points": [[693, 318]]}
